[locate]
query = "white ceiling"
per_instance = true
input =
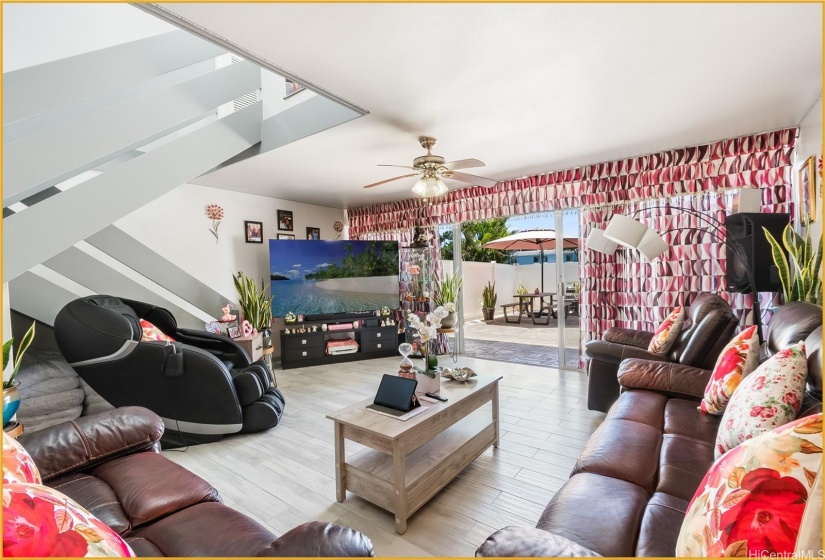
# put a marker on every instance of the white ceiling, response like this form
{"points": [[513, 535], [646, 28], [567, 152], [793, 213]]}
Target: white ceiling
{"points": [[526, 88]]}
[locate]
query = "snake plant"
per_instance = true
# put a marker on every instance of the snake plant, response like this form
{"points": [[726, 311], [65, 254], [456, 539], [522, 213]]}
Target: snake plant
{"points": [[255, 304], [489, 296], [801, 278], [446, 290]]}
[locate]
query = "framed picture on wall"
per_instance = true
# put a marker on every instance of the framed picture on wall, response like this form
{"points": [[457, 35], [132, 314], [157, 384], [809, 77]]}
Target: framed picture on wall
{"points": [[313, 233], [285, 236], [254, 231], [285, 220], [807, 191]]}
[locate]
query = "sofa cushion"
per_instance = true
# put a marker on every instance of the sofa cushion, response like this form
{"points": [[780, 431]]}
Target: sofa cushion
{"points": [[40, 521], [660, 525], [666, 333], [598, 512], [149, 486], [18, 465], [739, 358], [752, 500], [183, 534], [682, 464], [97, 497], [683, 419], [768, 398], [151, 333]]}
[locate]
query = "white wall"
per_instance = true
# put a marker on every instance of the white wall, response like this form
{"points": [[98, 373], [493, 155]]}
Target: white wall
{"points": [[176, 227], [507, 278], [808, 144], [38, 33]]}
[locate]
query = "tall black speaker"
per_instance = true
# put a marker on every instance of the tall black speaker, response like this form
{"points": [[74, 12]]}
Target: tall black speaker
{"points": [[747, 230]]}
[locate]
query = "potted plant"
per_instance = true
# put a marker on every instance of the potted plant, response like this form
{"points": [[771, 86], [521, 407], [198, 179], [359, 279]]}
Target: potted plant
{"points": [[11, 396], [446, 295], [801, 278], [488, 301], [427, 330], [255, 305]]}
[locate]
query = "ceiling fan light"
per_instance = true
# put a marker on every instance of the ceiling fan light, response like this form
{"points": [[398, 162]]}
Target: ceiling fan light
{"points": [[419, 186], [434, 186]]}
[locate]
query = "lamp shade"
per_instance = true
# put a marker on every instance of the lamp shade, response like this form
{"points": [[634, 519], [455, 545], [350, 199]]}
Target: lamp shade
{"points": [[598, 242], [652, 245], [625, 231], [429, 186]]}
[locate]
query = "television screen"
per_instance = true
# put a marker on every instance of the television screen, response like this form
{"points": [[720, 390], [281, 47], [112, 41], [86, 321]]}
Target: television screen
{"points": [[315, 277]]}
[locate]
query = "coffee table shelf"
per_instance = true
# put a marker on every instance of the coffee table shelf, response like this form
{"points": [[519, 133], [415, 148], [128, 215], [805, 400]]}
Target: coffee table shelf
{"points": [[370, 474], [408, 462]]}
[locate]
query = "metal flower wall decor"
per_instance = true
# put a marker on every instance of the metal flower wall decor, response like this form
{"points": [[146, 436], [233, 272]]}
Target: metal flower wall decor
{"points": [[214, 213]]}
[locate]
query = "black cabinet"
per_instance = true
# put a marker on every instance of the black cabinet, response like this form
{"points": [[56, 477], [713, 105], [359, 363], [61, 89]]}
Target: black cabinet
{"points": [[309, 349]]}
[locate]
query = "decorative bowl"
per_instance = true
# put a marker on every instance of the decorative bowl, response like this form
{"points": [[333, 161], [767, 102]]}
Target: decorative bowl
{"points": [[458, 374]]}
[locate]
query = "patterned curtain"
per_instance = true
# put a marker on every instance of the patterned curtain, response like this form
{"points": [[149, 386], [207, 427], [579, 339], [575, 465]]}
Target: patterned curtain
{"points": [[756, 161], [623, 289]]}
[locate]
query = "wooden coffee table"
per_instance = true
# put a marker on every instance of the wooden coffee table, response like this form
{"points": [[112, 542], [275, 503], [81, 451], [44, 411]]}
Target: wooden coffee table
{"points": [[410, 461]]}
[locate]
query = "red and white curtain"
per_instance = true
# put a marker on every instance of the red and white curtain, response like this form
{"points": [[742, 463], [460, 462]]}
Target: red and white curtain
{"points": [[611, 285]]}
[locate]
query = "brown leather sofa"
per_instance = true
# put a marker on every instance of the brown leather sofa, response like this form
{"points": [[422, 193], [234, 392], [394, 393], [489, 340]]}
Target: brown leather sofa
{"points": [[110, 464], [709, 325], [630, 488]]}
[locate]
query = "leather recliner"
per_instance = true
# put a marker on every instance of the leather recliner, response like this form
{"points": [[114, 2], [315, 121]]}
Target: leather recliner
{"points": [[203, 385], [709, 325]]}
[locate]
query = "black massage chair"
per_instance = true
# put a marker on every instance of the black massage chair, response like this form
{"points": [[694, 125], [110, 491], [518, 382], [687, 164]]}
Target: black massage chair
{"points": [[202, 385]]}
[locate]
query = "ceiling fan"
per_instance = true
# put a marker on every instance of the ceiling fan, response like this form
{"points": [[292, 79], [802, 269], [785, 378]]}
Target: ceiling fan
{"points": [[432, 169]]}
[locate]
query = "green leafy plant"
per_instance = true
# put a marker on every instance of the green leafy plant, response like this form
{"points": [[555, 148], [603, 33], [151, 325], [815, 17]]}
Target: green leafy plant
{"points": [[521, 290], [801, 277], [255, 304], [489, 297], [18, 359], [446, 290]]}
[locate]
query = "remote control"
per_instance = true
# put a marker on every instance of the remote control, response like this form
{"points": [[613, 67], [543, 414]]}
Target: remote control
{"points": [[436, 397]]}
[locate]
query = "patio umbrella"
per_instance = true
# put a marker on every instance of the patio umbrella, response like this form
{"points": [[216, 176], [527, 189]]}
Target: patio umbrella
{"points": [[541, 239]]}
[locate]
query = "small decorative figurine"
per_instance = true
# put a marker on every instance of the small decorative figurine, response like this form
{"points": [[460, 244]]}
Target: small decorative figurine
{"points": [[300, 318], [385, 311], [289, 317], [324, 327], [247, 329], [227, 316], [314, 328]]}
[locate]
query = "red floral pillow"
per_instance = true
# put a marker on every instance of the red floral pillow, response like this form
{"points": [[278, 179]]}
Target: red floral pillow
{"points": [[40, 521], [17, 463], [739, 358], [151, 332], [667, 333], [752, 500]]}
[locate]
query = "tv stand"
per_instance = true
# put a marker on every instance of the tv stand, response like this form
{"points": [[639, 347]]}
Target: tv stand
{"points": [[308, 349]]}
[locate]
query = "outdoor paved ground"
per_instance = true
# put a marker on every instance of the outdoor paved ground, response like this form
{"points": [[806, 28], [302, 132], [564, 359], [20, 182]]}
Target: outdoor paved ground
{"points": [[523, 343]]}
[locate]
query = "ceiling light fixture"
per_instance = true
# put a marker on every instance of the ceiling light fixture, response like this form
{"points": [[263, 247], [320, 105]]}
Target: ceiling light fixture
{"points": [[429, 185]]}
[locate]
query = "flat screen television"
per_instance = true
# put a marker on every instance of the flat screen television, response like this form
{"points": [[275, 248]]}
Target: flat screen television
{"points": [[311, 277]]}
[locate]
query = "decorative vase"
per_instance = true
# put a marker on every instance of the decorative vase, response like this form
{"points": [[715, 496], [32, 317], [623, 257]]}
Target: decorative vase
{"points": [[427, 384], [11, 402], [448, 322]]}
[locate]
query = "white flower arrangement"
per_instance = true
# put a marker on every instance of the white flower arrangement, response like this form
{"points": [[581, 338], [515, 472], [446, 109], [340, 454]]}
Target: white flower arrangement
{"points": [[428, 328], [449, 307]]}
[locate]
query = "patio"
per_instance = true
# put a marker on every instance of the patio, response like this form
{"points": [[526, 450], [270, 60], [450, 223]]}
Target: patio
{"points": [[523, 343]]}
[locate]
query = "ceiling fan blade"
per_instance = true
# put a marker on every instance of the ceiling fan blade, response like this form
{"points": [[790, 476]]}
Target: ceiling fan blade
{"points": [[473, 179], [402, 166], [388, 180], [464, 164]]}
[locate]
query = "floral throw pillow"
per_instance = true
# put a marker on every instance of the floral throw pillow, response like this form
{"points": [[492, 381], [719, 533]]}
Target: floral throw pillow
{"points": [[752, 500], [151, 332], [40, 521], [17, 463], [668, 332], [767, 398], [739, 358]]}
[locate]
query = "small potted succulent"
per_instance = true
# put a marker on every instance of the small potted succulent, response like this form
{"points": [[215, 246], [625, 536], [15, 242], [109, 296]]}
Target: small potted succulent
{"points": [[11, 396], [488, 301]]}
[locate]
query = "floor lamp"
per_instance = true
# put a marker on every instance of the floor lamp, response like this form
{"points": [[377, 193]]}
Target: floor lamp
{"points": [[626, 231]]}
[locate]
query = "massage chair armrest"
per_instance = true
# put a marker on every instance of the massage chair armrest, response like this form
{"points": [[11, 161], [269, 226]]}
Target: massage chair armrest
{"points": [[320, 539], [663, 377], [531, 542], [614, 353], [220, 346], [629, 337], [91, 440]]}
